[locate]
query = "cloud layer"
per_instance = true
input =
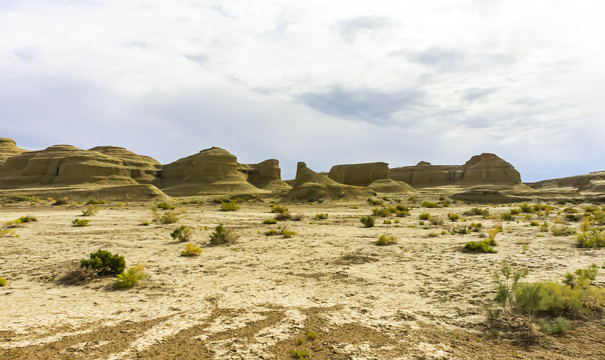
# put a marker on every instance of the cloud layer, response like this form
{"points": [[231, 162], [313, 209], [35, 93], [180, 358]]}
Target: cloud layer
{"points": [[321, 82]]}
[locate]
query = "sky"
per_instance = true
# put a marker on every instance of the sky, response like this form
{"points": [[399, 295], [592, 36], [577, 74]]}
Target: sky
{"points": [[324, 82]]}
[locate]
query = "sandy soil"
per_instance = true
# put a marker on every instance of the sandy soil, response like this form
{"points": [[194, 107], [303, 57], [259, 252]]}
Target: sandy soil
{"points": [[419, 299]]}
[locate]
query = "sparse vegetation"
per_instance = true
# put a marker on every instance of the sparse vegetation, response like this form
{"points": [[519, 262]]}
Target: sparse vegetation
{"points": [[279, 209], [270, 221], [384, 240], [299, 354], [91, 210], [62, 201], [230, 206], [80, 222], [168, 217], [191, 250], [321, 216], [368, 221], [104, 262], [558, 326], [453, 217], [131, 277], [182, 233], [222, 236], [561, 230], [2, 282], [165, 206], [424, 216], [484, 246], [430, 205]]}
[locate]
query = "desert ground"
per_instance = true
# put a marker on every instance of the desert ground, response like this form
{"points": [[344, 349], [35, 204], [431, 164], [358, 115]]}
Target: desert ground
{"points": [[421, 298]]}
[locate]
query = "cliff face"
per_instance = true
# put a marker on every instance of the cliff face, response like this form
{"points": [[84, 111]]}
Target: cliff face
{"points": [[265, 175], [359, 174], [484, 169], [8, 148]]}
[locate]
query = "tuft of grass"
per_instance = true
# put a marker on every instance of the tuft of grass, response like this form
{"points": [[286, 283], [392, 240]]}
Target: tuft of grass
{"points": [[164, 206], [96, 202], [375, 202], [484, 246], [453, 217], [230, 206], [288, 233], [367, 221], [279, 209], [299, 354], [191, 250], [558, 326], [182, 233], [271, 232], [311, 335], [270, 221], [384, 240], [321, 216], [424, 216], [169, 217], [2, 282], [63, 201], [430, 205], [507, 216], [561, 230], [80, 222], [222, 236], [131, 277], [91, 210]]}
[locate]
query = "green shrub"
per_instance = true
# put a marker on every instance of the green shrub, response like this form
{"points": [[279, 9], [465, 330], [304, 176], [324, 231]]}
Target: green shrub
{"points": [[80, 222], [561, 230], [534, 223], [384, 240], [424, 216], [131, 277], [527, 208], [271, 232], [592, 238], [507, 216], [475, 227], [515, 211], [299, 354], [461, 230], [321, 216], [91, 210], [279, 209], [169, 217], [387, 222], [598, 217], [544, 227], [104, 262], [581, 277], [164, 206], [311, 335], [230, 206], [368, 221], [484, 246], [428, 204], [182, 233], [270, 221], [558, 326], [288, 233], [375, 202], [2, 282], [191, 250], [436, 221], [222, 236], [453, 217], [572, 217], [62, 201], [95, 202], [26, 219]]}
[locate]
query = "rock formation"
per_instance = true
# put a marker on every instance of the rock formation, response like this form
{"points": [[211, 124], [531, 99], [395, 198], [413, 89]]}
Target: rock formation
{"points": [[311, 186], [143, 169], [588, 182], [359, 174], [484, 169], [8, 148], [391, 186], [265, 175], [211, 171]]}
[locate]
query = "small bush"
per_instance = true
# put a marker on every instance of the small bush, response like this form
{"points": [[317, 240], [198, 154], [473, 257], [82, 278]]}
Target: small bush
{"points": [[279, 209], [544, 227], [230, 206], [375, 202], [507, 216], [62, 201], [164, 206], [26, 219], [95, 202], [288, 233], [299, 354], [131, 277], [428, 204], [384, 240], [104, 262], [271, 232], [484, 246], [2, 282], [191, 250], [387, 222], [80, 222], [527, 208], [572, 217], [534, 223], [475, 227], [558, 326], [384, 212], [311, 335], [222, 236], [321, 216], [169, 217], [453, 217], [368, 221], [561, 230], [592, 238], [91, 210], [182, 233], [424, 216], [270, 221], [402, 213], [515, 211]]}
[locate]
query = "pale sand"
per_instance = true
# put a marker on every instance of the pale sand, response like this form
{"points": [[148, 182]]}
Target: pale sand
{"points": [[420, 298]]}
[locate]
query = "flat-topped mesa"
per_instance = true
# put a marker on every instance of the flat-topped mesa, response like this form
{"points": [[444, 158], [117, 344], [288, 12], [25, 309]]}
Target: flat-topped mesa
{"points": [[311, 186], [484, 169], [63, 165], [265, 175], [143, 169], [211, 171], [359, 174], [8, 148]]}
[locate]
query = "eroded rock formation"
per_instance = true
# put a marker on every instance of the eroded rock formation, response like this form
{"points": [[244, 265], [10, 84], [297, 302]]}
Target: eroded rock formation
{"points": [[486, 169], [143, 169], [8, 148], [211, 171], [311, 186], [391, 186], [359, 174], [265, 175]]}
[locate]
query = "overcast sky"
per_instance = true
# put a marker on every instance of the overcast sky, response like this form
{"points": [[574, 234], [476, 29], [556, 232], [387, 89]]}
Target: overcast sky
{"points": [[325, 82]]}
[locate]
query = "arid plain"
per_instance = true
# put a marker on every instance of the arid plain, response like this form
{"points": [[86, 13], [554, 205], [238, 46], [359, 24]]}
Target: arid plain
{"points": [[329, 290]]}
